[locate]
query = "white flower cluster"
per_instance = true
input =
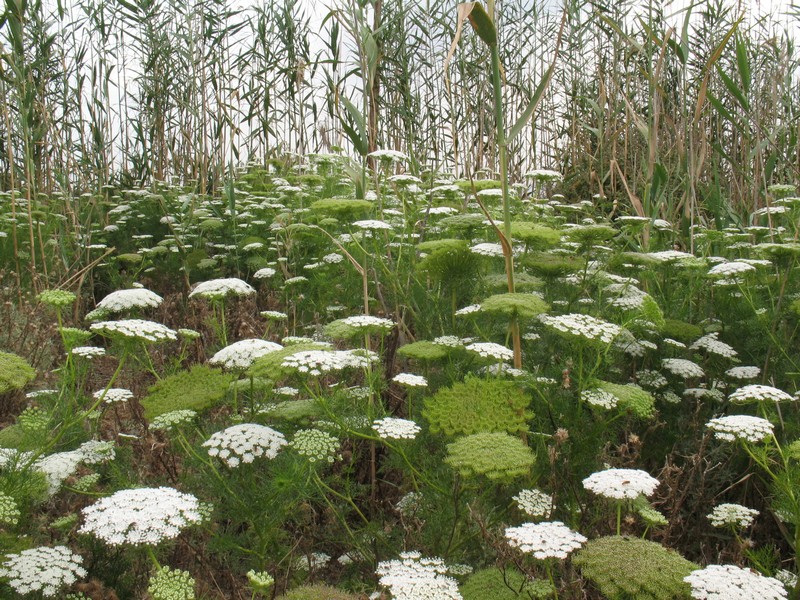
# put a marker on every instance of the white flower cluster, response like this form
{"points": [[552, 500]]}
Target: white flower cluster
{"points": [[744, 372], [88, 351], [713, 345], [410, 380], [42, 569], [112, 395], [141, 516], [315, 445], [735, 515], [544, 175], [135, 329], [373, 225], [390, 155], [396, 429], [122, 300], [171, 584], [274, 315], [467, 310], [244, 443], [728, 582], [651, 379], [451, 341], [487, 249], [414, 577], [599, 398], [242, 354], [731, 269], [491, 350], [368, 322], [174, 418], [264, 273], [409, 503], [584, 326], [740, 427], [552, 539], [682, 367], [759, 393], [320, 362], [535, 503], [621, 484], [669, 256], [215, 289], [9, 512]]}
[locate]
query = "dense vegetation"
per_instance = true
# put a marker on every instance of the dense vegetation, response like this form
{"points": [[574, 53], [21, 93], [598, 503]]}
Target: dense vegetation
{"points": [[398, 303]]}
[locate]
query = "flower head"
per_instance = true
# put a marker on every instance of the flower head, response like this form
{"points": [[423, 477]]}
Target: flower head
{"points": [[734, 515], [413, 577], [42, 569], [244, 443], [242, 354], [141, 516], [396, 429], [621, 484], [545, 540], [135, 329], [740, 427], [728, 582], [534, 503], [216, 289]]}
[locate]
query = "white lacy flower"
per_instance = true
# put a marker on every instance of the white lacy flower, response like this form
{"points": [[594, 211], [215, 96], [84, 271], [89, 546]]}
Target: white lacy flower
{"points": [[404, 179], [740, 427], [544, 175], [410, 380], [88, 351], [736, 515], [728, 582], [215, 289], [368, 322], [759, 393], [711, 344], [373, 225], [244, 443], [487, 249], [112, 395], [264, 273], [122, 300], [319, 362], [545, 540], [137, 329], [599, 398], [396, 429], [651, 379], [584, 326], [491, 350], [535, 503], [669, 256], [174, 418], [242, 354], [42, 569], [413, 577], [141, 516], [315, 445], [744, 372], [621, 484], [732, 268], [391, 155], [468, 310], [451, 341], [682, 367]]}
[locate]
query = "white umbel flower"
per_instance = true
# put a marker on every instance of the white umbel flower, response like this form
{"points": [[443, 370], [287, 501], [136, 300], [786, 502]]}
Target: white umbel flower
{"points": [[42, 569], [410, 380], [124, 300], [487, 249], [396, 429], [599, 398], [242, 354], [534, 503], [113, 395], [621, 484], [373, 225], [368, 322], [141, 516], [264, 273], [759, 393], [414, 577], [731, 269], [743, 372], [740, 427], [244, 443], [728, 582], [583, 326], [545, 540], [215, 289], [736, 515], [491, 350], [135, 329], [320, 362], [682, 367], [88, 351], [712, 344]]}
